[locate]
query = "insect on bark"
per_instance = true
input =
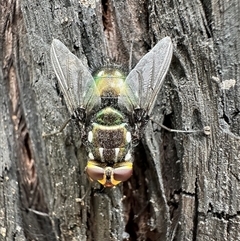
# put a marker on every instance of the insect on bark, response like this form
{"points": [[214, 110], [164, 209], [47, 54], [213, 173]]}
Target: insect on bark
{"points": [[111, 110]]}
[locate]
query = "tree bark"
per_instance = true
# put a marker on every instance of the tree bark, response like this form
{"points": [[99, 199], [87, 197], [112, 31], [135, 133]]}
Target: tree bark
{"points": [[184, 186]]}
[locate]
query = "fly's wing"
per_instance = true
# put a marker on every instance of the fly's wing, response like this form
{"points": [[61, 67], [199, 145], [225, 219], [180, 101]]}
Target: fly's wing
{"points": [[75, 81], [144, 82]]}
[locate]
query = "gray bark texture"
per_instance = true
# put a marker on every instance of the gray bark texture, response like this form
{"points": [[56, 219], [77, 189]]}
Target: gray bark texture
{"points": [[184, 186]]}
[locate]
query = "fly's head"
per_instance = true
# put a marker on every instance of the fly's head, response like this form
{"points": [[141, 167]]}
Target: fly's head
{"points": [[109, 176]]}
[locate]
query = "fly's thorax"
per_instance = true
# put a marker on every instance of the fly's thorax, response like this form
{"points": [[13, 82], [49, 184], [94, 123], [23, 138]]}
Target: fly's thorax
{"points": [[109, 137], [109, 141], [109, 144]]}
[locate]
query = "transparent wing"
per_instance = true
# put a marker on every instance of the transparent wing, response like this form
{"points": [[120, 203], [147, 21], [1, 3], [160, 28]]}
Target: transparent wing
{"points": [[144, 82], [75, 81]]}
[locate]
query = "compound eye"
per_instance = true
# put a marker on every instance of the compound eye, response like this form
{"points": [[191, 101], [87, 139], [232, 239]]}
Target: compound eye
{"points": [[95, 173], [122, 173]]}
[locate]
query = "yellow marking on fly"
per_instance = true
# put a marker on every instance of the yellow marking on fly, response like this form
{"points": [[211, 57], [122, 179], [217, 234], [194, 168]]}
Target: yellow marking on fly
{"points": [[109, 176], [112, 182]]}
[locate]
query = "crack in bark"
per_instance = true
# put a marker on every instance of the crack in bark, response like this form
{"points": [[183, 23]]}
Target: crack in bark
{"points": [[208, 17], [195, 218], [106, 16], [220, 215]]}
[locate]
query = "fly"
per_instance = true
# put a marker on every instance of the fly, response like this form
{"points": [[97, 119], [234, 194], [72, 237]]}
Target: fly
{"points": [[110, 109]]}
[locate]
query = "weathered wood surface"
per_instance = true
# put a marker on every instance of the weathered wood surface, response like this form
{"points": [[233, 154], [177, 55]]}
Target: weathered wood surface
{"points": [[185, 186]]}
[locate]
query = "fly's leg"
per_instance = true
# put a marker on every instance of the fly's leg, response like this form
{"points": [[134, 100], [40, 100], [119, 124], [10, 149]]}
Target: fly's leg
{"points": [[58, 131], [81, 200], [173, 232], [206, 130], [130, 57], [136, 216]]}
